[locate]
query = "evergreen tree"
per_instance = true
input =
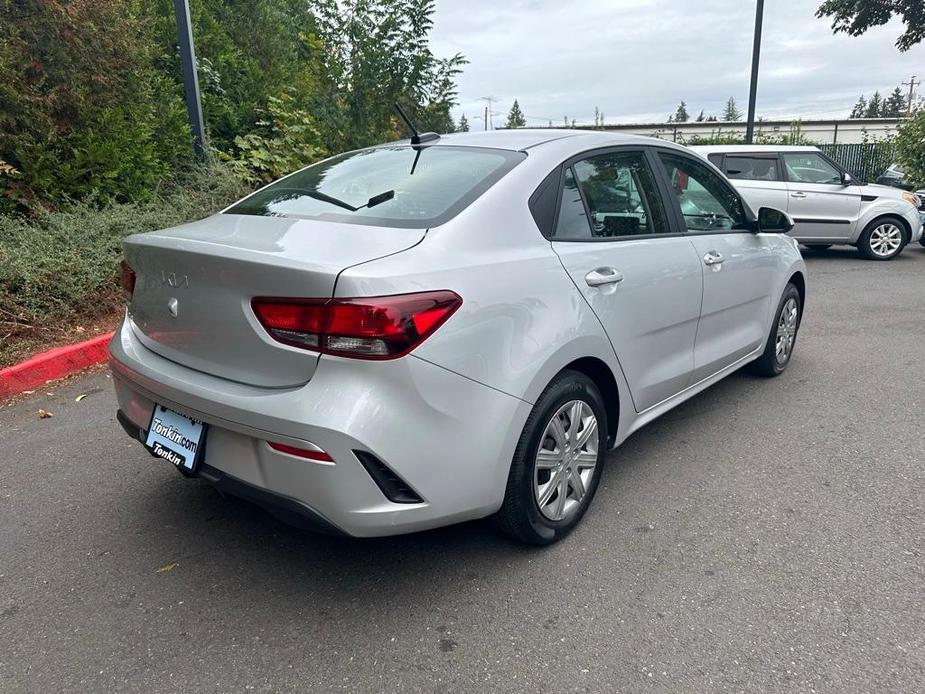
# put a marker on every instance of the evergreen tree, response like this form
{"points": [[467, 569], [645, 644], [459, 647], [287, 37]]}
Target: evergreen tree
{"points": [[681, 115], [860, 108], [895, 104], [711, 119], [700, 118], [515, 119], [874, 106], [463, 126], [731, 112]]}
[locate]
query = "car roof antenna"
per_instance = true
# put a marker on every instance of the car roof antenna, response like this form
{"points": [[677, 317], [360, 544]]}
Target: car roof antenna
{"points": [[417, 138]]}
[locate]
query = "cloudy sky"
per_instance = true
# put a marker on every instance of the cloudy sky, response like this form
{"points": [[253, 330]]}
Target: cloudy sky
{"points": [[636, 59]]}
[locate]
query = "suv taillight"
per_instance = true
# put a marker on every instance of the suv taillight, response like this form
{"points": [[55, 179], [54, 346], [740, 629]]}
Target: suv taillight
{"points": [[380, 327], [128, 280]]}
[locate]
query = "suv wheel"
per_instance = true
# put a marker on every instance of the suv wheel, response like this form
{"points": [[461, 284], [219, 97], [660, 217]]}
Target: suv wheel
{"points": [[883, 239], [557, 464]]}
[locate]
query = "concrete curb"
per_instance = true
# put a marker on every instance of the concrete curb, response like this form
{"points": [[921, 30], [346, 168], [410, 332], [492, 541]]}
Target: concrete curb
{"points": [[55, 363]]}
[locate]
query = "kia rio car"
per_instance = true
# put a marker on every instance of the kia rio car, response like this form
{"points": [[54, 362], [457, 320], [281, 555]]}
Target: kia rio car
{"points": [[827, 206], [413, 335]]}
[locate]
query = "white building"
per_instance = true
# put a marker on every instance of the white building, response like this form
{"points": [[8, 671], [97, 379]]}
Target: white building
{"points": [[838, 131]]}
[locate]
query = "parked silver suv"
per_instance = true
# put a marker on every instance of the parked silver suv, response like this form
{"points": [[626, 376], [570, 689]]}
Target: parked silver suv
{"points": [[827, 206]]}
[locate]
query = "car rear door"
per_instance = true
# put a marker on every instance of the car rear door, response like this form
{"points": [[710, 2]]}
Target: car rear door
{"points": [[822, 207], [738, 265], [757, 176], [640, 276]]}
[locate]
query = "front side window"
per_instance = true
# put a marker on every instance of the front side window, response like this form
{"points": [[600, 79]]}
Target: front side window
{"points": [[707, 202], [810, 167], [393, 186], [751, 168]]}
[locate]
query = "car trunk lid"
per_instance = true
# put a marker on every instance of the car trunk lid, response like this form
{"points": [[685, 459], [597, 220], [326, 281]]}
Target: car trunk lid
{"points": [[194, 285]]}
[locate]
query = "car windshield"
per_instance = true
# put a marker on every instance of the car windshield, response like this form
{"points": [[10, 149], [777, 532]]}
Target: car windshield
{"points": [[394, 186]]}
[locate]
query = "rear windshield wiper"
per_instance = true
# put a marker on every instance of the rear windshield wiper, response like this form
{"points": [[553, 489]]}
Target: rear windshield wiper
{"points": [[372, 202]]}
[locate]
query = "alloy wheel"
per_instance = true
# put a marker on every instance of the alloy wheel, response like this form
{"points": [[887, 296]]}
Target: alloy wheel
{"points": [[566, 460], [786, 330], [885, 240]]}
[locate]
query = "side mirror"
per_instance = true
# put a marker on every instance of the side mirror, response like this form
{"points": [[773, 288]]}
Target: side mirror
{"points": [[773, 221], [846, 179]]}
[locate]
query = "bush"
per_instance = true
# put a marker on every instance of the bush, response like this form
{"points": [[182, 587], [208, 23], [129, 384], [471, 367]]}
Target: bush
{"points": [[910, 148], [61, 265]]}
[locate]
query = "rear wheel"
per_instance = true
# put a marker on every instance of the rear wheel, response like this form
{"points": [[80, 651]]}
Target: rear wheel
{"points": [[882, 239], [779, 348], [557, 464]]}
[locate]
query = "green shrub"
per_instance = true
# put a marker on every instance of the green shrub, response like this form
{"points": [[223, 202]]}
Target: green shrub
{"points": [[57, 265], [910, 148]]}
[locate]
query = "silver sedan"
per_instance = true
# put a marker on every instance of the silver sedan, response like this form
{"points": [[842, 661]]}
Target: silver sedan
{"points": [[423, 333]]}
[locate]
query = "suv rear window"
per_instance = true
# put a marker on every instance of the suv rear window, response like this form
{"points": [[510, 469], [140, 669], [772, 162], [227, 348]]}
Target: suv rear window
{"points": [[751, 168], [393, 186]]}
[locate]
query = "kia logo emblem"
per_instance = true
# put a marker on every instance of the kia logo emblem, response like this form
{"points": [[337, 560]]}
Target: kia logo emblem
{"points": [[172, 279]]}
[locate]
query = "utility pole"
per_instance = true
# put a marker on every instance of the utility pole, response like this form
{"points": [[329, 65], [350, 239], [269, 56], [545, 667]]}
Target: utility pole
{"points": [[911, 84], [190, 78], [489, 124], [753, 91]]}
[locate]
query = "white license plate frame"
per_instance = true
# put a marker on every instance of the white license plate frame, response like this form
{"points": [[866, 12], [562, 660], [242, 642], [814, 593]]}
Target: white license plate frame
{"points": [[176, 438]]}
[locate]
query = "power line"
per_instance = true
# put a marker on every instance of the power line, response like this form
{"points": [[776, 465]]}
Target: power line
{"points": [[488, 114]]}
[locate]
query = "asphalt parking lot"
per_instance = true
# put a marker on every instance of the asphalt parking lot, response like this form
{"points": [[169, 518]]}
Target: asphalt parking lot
{"points": [[765, 536]]}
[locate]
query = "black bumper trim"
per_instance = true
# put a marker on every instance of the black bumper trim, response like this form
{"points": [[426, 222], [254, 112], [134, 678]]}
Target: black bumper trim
{"points": [[284, 508]]}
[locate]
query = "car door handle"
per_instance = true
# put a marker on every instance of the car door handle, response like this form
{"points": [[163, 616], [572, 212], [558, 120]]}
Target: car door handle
{"points": [[603, 275], [713, 258], [798, 194]]}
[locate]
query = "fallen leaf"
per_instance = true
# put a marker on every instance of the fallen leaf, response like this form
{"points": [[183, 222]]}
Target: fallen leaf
{"points": [[80, 397], [44, 414], [168, 567]]}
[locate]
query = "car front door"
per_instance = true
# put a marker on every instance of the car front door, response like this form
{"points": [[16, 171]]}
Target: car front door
{"points": [[738, 265], [639, 275], [822, 208]]}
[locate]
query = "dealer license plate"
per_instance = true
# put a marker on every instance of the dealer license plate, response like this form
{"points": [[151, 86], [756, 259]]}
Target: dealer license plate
{"points": [[175, 437]]}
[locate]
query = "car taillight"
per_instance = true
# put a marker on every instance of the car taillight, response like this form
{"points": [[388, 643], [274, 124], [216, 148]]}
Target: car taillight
{"points": [[128, 281], [381, 327]]}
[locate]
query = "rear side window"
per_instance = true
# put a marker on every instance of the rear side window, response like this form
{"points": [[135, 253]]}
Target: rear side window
{"points": [[752, 168], [610, 196], [394, 186], [573, 219]]}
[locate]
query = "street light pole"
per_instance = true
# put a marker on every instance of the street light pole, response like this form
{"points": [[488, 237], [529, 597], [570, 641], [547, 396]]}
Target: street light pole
{"points": [[190, 78], [753, 91]]}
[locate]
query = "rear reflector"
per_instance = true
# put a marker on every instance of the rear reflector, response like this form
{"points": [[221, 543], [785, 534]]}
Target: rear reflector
{"points": [[316, 454], [382, 327]]}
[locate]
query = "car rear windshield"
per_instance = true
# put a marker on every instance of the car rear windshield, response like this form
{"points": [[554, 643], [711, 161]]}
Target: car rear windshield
{"points": [[394, 186]]}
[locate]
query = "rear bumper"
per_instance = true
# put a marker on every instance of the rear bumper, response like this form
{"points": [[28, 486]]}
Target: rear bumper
{"points": [[448, 438]]}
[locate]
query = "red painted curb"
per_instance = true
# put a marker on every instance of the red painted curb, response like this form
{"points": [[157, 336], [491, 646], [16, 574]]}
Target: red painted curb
{"points": [[55, 363]]}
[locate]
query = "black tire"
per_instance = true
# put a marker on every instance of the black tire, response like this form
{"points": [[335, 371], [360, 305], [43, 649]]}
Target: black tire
{"points": [[922, 241], [768, 364], [864, 241], [520, 517]]}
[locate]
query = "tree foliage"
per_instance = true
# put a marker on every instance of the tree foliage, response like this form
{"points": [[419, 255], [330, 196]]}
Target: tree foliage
{"points": [[91, 98], [515, 117], [463, 126], [681, 115], [854, 17], [910, 151], [731, 112]]}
